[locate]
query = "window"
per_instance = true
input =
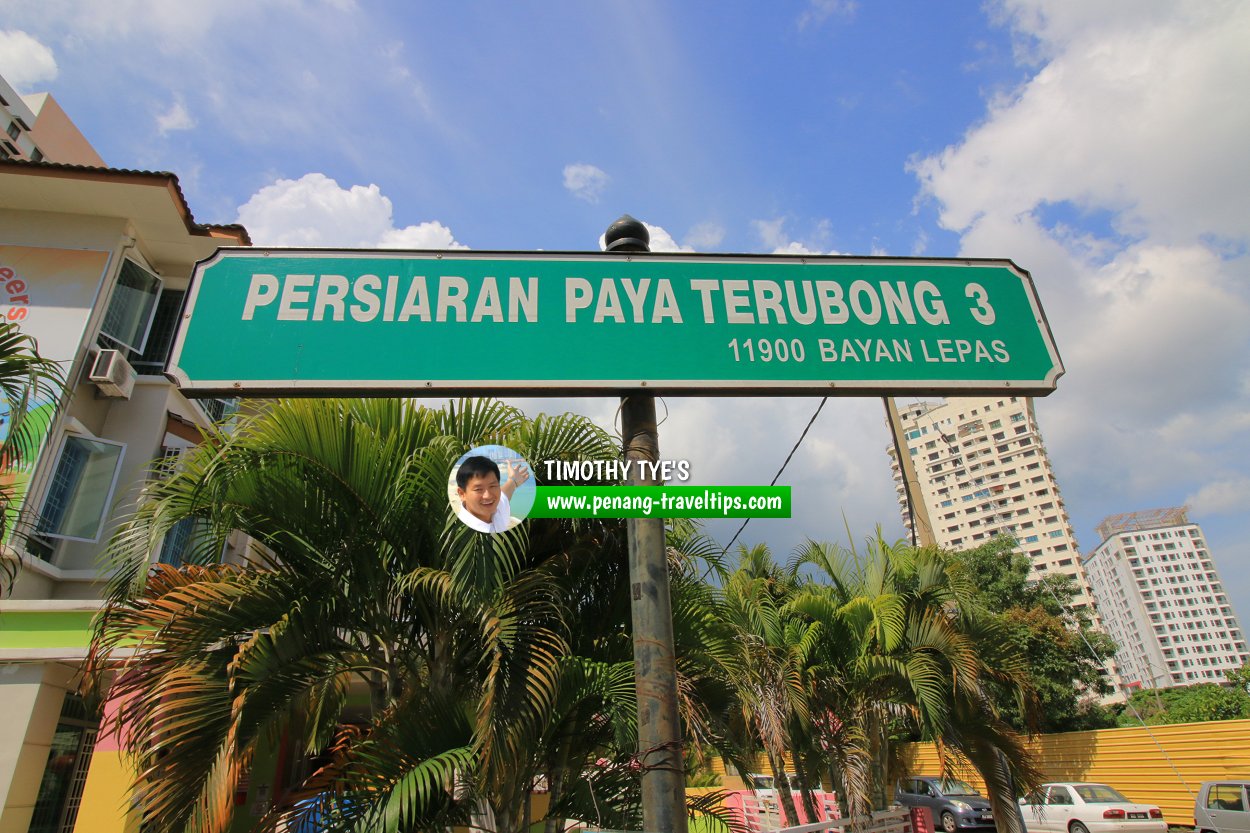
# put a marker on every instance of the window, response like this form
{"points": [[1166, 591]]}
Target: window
{"points": [[132, 306], [219, 410], [81, 490], [1058, 795], [161, 336], [65, 774], [188, 542], [14, 130]]}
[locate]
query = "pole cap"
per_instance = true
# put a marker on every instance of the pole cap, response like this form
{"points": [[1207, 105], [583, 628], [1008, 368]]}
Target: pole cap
{"points": [[627, 235]]}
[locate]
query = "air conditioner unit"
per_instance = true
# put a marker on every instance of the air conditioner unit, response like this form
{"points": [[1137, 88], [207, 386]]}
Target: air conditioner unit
{"points": [[112, 374]]}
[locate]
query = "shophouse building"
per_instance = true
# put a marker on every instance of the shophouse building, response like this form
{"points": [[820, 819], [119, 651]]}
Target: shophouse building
{"points": [[95, 262]]}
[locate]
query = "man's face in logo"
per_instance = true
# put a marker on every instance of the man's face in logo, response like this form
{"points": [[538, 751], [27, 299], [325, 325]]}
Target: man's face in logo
{"points": [[480, 496]]}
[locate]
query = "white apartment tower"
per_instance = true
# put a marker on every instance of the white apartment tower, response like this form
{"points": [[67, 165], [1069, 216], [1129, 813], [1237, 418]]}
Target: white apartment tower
{"points": [[982, 471], [1162, 601]]}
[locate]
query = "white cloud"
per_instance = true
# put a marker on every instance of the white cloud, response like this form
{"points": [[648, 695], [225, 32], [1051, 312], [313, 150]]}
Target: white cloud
{"points": [[1139, 112], [428, 235], [211, 55], [1116, 175], [25, 61], [662, 241], [314, 211], [175, 118], [773, 235], [1227, 496], [818, 11], [771, 232], [793, 248], [167, 21], [705, 236], [585, 181]]}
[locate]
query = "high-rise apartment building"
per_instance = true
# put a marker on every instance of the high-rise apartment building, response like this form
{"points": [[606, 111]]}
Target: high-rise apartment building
{"points": [[981, 471], [1162, 601]]}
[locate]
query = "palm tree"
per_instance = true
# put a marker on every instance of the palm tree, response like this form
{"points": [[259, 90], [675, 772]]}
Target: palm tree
{"points": [[765, 665], [30, 388], [908, 648], [591, 742], [362, 581]]}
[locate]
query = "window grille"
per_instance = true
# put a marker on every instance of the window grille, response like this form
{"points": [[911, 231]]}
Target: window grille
{"points": [[65, 775], [161, 337], [129, 315], [81, 490]]}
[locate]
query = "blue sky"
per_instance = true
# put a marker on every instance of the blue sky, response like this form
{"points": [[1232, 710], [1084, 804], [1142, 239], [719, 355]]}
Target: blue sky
{"points": [[1104, 147]]}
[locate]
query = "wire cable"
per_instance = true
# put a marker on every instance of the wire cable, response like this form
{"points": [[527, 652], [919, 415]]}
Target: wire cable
{"points": [[789, 456]]}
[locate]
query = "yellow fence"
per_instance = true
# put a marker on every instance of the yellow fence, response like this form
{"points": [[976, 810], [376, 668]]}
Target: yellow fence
{"points": [[1161, 765]]}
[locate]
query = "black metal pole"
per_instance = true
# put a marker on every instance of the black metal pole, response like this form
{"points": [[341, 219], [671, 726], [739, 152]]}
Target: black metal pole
{"points": [[655, 662]]}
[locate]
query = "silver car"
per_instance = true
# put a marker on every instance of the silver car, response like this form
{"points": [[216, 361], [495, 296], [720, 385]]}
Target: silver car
{"points": [[955, 804], [1223, 807]]}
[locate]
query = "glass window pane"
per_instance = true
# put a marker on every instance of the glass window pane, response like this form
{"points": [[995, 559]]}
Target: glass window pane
{"points": [[189, 542], [131, 308], [161, 336], [58, 775], [81, 489]]}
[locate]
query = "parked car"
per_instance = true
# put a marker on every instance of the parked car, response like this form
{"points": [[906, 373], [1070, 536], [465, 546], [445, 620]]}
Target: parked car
{"points": [[763, 784], [955, 804], [1223, 807], [756, 781], [1088, 808]]}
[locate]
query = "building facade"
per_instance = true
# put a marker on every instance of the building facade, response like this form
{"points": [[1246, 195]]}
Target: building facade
{"points": [[982, 471], [38, 130], [94, 263], [1162, 601]]}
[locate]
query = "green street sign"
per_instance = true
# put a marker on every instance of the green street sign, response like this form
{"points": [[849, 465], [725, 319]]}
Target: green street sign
{"points": [[315, 321]]}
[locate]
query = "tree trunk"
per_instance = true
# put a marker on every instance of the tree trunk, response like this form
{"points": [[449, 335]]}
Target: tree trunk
{"points": [[805, 785], [505, 820], [377, 693], [781, 785], [881, 794], [555, 792]]}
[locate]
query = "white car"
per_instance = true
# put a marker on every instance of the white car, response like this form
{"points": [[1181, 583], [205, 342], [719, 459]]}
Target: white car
{"points": [[1087, 808]]}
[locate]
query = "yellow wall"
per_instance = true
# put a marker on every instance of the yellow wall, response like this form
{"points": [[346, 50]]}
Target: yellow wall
{"points": [[105, 805], [1165, 769]]}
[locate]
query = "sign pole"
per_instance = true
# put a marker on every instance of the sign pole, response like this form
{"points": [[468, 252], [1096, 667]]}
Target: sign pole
{"points": [[921, 526], [655, 663]]}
